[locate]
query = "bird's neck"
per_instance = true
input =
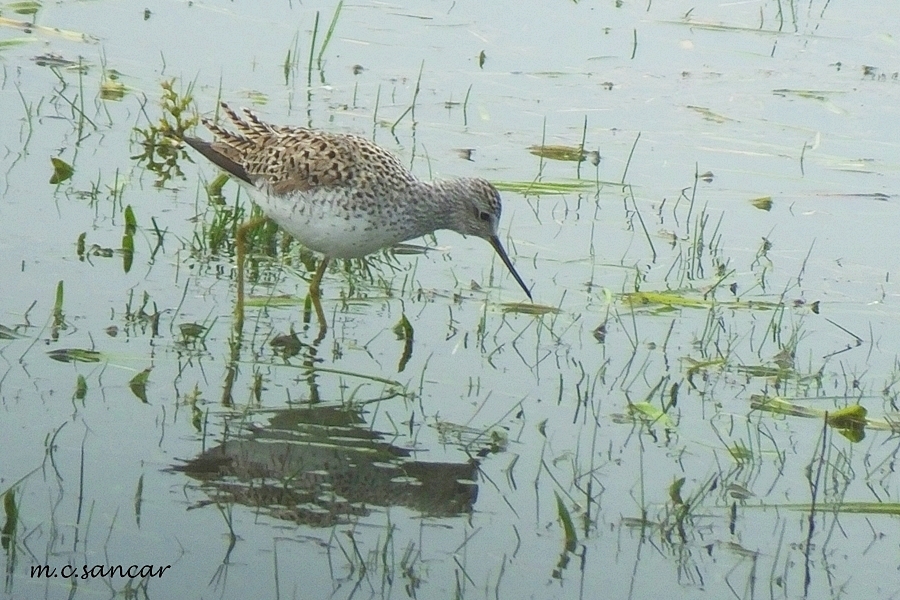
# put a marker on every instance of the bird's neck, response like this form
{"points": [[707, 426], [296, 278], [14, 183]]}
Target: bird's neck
{"points": [[437, 205]]}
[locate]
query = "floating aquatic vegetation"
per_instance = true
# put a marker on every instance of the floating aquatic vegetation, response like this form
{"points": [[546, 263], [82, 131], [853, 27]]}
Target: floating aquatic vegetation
{"points": [[110, 86], [528, 308], [75, 355], [138, 384], [670, 300], [62, 171], [710, 115], [26, 7], [404, 332], [644, 412], [72, 36], [19, 41], [849, 421], [565, 153], [161, 141], [762, 203], [544, 188]]}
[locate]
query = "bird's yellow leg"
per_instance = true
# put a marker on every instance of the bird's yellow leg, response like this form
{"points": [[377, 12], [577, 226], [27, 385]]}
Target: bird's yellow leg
{"points": [[314, 289], [240, 251], [315, 293]]}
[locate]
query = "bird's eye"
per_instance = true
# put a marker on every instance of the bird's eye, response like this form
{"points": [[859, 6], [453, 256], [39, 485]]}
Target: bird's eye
{"points": [[484, 216]]}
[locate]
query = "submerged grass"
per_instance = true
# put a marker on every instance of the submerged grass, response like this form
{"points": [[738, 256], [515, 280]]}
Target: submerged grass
{"points": [[565, 153], [661, 302], [850, 421], [545, 188], [529, 308], [74, 355], [847, 508], [51, 32]]}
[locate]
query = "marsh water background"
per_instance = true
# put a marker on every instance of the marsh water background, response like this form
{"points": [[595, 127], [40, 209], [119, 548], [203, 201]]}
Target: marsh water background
{"points": [[653, 425]]}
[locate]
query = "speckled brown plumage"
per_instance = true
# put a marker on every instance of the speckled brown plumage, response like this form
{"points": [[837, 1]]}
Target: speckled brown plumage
{"points": [[296, 159]]}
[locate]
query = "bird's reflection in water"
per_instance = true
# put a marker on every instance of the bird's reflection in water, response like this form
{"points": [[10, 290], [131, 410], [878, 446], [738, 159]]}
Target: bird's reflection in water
{"points": [[320, 466]]}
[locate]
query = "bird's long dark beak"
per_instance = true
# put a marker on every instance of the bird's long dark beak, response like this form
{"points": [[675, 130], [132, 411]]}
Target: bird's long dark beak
{"points": [[495, 242]]}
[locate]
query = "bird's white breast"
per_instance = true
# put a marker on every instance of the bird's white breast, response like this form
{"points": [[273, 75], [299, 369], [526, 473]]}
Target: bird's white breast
{"points": [[325, 221]]}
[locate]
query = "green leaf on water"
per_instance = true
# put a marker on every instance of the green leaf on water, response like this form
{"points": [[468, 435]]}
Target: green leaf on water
{"points": [[674, 299], [763, 371], [138, 385], [80, 245], [850, 421], [566, 520], [196, 418], [544, 188], [847, 416], [695, 23], [26, 7], [58, 301], [852, 508], [274, 301], [740, 452], [669, 299], [112, 90], [559, 152], [675, 491], [80, 387], [697, 366], [404, 331], [61, 170], [778, 406], [821, 95], [650, 413], [130, 221], [258, 98], [528, 308], [73, 36], [127, 252], [739, 492], [763, 203], [16, 42], [191, 331], [11, 524], [75, 355], [139, 499], [710, 115]]}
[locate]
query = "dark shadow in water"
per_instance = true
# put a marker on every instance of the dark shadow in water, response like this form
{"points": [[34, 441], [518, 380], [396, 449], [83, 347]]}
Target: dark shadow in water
{"points": [[320, 466]]}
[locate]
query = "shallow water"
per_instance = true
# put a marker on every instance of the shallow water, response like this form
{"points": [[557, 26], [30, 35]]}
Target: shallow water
{"points": [[445, 456]]}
